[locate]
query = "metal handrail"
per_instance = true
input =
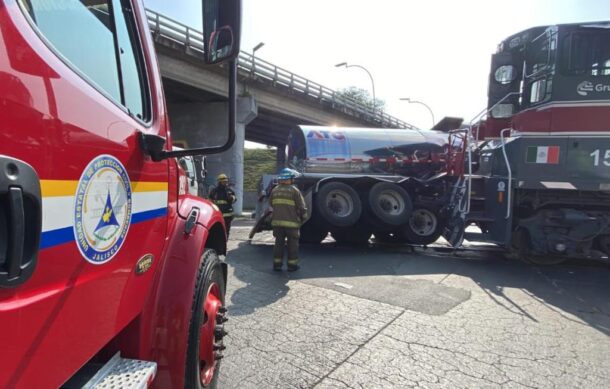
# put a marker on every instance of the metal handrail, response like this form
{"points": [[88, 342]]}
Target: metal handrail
{"points": [[510, 174], [470, 138], [260, 70]]}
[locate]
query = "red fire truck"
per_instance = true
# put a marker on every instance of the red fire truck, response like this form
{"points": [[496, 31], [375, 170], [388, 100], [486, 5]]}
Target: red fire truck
{"points": [[109, 269]]}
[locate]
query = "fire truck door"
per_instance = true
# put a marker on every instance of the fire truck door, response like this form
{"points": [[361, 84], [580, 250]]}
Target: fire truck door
{"points": [[75, 90]]}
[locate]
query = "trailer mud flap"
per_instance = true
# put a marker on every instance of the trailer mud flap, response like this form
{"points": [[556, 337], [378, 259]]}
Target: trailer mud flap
{"points": [[260, 224], [455, 230]]}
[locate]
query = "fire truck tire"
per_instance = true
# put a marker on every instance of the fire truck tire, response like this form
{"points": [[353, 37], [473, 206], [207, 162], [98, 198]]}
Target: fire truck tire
{"points": [[338, 204], [351, 236], [390, 203], [206, 328], [424, 227], [313, 232]]}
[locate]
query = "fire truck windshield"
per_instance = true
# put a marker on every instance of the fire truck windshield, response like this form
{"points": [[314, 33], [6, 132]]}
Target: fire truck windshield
{"points": [[587, 53]]}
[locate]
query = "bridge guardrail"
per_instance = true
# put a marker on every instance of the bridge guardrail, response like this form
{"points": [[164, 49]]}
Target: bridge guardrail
{"points": [[261, 70]]}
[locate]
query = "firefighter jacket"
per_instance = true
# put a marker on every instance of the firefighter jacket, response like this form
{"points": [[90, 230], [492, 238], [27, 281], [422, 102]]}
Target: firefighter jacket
{"points": [[289, 209], [224, 198]]}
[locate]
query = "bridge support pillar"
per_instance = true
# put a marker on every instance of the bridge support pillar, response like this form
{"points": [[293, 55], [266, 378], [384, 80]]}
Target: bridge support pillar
{"points": [[280, 161], [205, 124]]}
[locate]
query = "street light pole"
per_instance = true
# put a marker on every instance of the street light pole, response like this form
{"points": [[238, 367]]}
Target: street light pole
{"points": [[408, 100], [254, 49], [344, 64]]}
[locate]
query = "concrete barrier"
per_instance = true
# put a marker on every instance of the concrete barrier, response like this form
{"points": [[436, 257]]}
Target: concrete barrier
{"points": [[250, 200]]}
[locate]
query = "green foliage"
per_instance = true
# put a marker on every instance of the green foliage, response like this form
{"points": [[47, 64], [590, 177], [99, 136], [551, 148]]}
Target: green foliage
{"points": [[361, 96], [256, 163]]}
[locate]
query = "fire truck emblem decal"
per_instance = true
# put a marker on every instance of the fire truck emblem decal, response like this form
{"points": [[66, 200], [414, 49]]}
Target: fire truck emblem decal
{"points": [[102, 209]]}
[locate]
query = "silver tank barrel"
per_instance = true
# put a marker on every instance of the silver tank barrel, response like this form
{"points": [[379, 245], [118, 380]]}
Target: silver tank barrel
{"points": [[315, 149]]}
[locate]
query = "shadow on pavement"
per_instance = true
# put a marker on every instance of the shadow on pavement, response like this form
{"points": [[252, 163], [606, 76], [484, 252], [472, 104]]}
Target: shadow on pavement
{"points": [[578, 288]]}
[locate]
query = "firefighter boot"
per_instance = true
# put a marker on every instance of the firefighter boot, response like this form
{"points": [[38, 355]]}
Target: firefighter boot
{"points": [[277, 264], [293, 265]]}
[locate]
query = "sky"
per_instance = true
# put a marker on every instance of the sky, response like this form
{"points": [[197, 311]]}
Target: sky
{"points": [[434, 51]]}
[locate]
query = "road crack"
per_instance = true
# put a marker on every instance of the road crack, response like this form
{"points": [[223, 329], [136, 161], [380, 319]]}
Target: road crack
{"points": [[360, 347]]}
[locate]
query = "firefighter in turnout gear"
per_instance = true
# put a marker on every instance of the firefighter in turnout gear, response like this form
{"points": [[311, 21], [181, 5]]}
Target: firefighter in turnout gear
{"points": [[224, 198], [289, 212]]}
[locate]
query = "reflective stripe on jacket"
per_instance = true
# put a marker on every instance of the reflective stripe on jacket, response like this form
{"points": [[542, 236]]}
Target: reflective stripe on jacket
{"points": [[289, 209], [224, 198]]}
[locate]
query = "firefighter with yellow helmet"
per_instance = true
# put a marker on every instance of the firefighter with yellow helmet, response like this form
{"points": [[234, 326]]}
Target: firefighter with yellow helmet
{"points": [[289, 212], [224, 198]]}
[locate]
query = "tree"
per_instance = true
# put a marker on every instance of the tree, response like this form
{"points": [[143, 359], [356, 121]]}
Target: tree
{"points": [[362, 97]]}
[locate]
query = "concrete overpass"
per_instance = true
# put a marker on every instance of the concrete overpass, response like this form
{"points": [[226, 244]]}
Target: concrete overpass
{"points": [[272, 100]]}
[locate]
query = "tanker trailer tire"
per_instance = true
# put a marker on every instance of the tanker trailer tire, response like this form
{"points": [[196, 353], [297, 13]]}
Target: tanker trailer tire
{"points": [[312, 232], [390, 203], [424, 227], [351, 236], [338, 204], [206, 328]]}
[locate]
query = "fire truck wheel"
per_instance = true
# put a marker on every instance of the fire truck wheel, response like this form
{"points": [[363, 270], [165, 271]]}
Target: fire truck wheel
{"points": [[390, 203], [206, 329], [424, 227], [312, 232], [338, 204], [351, 236]]}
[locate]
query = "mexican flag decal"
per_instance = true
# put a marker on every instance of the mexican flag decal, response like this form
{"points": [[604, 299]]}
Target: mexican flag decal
{"points": [[543, 154]]}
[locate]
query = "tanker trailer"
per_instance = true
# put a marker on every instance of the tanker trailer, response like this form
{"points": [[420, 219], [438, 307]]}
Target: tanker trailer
{"points": [[357, 182]]}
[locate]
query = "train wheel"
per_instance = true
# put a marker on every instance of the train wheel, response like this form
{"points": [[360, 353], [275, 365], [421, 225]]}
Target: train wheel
{"points": [[390, 203], [522, 241], [338, 204], [424, 227], [206, 330]]}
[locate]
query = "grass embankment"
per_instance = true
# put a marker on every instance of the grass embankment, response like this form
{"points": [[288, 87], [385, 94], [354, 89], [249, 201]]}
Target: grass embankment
{"points": [[256, 163]]}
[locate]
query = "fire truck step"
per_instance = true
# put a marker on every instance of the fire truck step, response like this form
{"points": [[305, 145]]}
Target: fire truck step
{"points": [[123, 373]]}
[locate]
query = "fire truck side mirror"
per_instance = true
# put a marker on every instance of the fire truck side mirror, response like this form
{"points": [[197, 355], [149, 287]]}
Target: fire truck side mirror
{"points": [[153, 145], [221, 30]]}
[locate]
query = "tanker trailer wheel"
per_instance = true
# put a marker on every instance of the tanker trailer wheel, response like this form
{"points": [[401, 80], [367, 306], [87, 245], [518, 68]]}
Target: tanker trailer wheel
{"points": [[313, 232], [424, 227], [206, 330], [390, 203], [338, 204], [351, 236]]}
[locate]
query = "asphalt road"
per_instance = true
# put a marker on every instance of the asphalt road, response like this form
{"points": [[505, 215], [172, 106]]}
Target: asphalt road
{"points": [[382, 317]]}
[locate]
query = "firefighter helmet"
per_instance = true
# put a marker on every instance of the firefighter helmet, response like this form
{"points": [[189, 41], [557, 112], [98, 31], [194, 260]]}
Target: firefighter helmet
{"points": [[287, 174], [222, 178]]}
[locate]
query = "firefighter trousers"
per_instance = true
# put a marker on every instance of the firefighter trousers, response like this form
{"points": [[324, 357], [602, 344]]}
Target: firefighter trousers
{"points": [[228, 220], [283, 234]]}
